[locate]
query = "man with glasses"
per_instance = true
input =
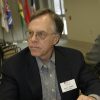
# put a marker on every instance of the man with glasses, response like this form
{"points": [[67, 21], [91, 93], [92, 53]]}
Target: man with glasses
{"points": [[43, 71]]}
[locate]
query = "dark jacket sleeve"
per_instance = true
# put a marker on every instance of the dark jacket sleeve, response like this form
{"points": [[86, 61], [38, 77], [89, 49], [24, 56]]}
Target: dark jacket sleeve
{"points": [[8, 87], [97, 67]]}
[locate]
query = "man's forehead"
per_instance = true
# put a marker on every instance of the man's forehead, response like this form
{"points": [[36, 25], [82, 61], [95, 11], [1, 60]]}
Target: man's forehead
{"points": [[42, 22], [43, 17]]}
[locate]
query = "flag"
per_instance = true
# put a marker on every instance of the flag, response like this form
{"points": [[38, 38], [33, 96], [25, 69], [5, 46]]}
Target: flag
{"points": [[3, 17], [26, 11], [9, 15], [20, 9], [33, 6]]}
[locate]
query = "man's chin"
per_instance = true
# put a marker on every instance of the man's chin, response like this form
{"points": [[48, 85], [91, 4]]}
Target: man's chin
{"points": [[35, 54]]}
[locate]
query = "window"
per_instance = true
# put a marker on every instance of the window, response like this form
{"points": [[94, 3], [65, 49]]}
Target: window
{"points": [[59, 9]]}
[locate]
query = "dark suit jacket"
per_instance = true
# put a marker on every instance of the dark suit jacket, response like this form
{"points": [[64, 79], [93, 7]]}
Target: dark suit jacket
{"points": [[97, 67], [21, 78]]}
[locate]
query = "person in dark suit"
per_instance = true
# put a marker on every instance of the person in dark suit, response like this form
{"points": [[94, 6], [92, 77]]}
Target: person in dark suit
{"points": [[97, 68], [44, 71]]}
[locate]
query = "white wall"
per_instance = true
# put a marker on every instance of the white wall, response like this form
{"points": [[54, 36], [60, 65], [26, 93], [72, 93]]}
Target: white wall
{"points": [[85, 19]]}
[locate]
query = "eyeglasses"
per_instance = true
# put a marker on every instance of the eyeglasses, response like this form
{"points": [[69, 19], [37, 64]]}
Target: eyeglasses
{"points": [[41, 35]]}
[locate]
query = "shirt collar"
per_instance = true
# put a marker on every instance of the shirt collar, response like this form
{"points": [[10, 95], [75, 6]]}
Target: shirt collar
{"points": [[40, 63]]}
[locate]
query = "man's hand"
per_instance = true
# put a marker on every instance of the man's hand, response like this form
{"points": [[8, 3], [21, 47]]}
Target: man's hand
{"points": [[84, 97]]}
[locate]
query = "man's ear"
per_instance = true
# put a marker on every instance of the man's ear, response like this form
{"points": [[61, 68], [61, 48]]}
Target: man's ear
{"points": [[56, 39]]}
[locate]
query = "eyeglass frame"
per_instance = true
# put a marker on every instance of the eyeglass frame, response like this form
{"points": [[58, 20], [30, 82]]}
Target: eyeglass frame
{"points": [[41, 35]]}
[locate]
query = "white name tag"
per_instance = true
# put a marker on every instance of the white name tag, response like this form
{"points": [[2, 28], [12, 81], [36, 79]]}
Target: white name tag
{"points": [[68, 85]]}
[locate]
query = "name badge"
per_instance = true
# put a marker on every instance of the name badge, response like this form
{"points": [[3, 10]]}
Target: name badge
{"points": [[68, 85]]}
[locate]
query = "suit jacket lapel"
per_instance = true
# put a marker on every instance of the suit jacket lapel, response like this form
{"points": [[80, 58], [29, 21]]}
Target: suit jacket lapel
{"points": [[63, 70], [62, 67], [33, 77]]}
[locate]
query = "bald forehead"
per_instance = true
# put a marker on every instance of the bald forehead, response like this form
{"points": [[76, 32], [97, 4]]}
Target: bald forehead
{"points": [[47, 19], [44, 17]]}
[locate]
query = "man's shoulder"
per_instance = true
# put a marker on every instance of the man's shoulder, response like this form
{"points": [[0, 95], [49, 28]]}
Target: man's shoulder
{"points": [[18, 61], [69, 53], [19, 56], [67, 50]]}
